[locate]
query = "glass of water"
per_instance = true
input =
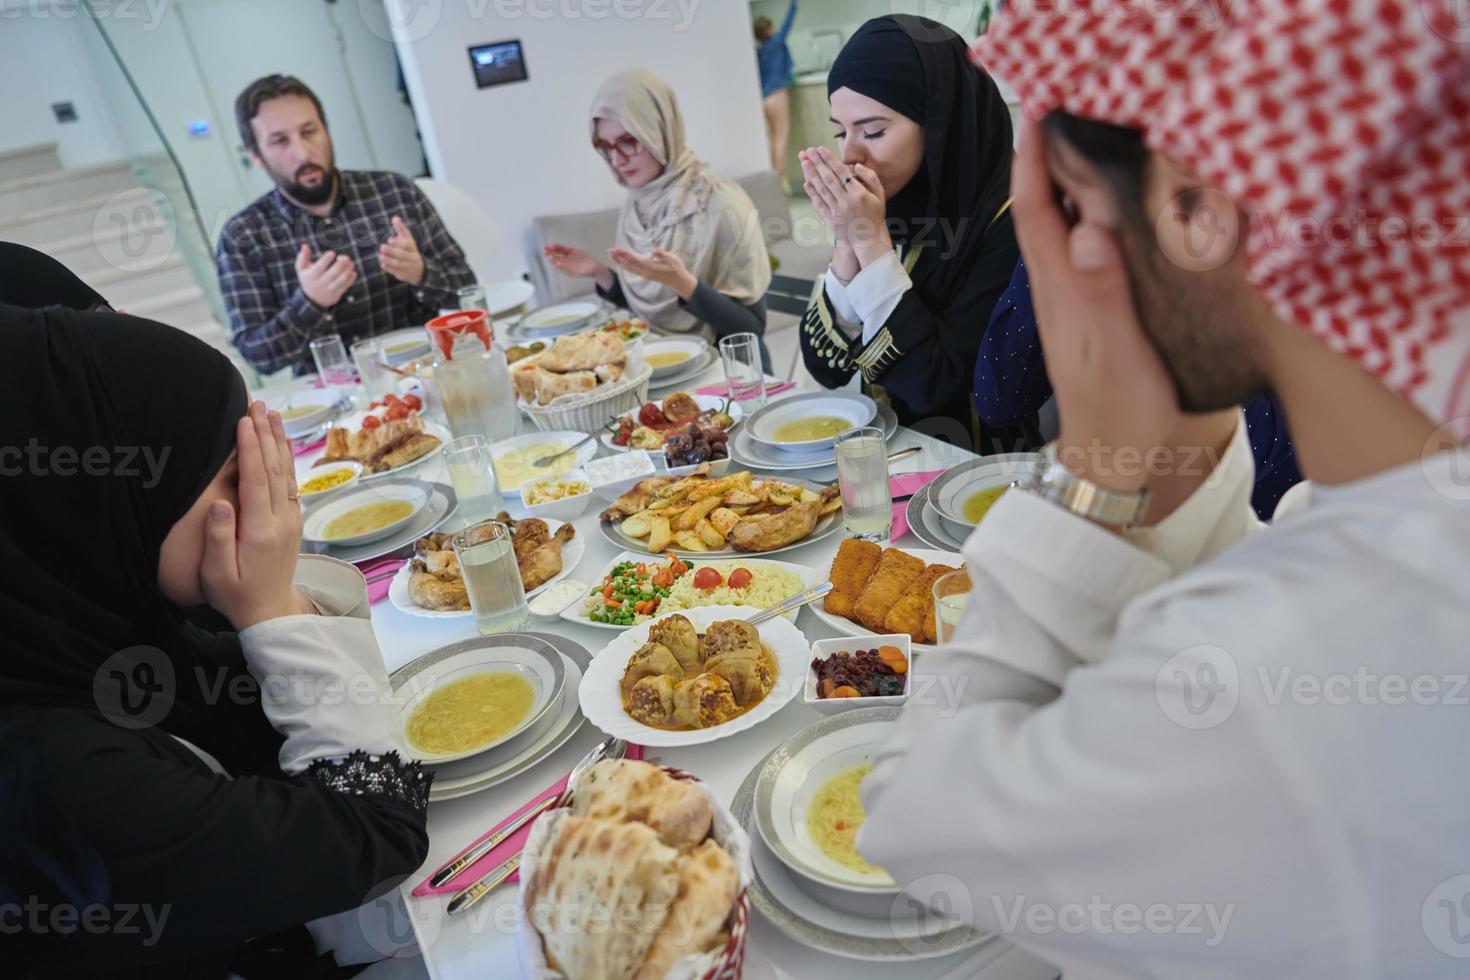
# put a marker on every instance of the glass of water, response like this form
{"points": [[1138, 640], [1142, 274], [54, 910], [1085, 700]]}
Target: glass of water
{"points": [[372, 368], [487, 560], [472, 471], [951, 595], [473, 298], [333, 366], [746, 378], [862, 476]]}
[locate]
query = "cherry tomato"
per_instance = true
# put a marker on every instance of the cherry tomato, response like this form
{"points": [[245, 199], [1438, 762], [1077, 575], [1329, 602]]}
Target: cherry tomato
{"points": [[413, 401], [707, 578], [391, 399], [395, 412], [740, 578], [371, 422]]}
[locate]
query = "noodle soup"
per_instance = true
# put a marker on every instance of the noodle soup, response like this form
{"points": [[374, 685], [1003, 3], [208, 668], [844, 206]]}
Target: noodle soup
{"points": [[470, 713], [833, 819]]}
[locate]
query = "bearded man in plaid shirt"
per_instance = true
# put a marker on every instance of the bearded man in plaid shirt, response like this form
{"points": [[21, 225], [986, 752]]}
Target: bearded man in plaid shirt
{"points": [[350, 252]]}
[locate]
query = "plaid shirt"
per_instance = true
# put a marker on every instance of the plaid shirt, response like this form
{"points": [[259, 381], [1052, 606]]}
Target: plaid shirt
{"points": [[272, 321]]}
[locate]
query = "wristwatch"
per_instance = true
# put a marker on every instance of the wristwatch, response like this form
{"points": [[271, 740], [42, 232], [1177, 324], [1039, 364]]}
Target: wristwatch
{"points": [[1051, 480]]}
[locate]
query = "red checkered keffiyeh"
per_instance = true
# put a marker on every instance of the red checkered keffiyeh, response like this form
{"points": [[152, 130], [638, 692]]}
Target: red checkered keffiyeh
{"points": [[1341, 126]]}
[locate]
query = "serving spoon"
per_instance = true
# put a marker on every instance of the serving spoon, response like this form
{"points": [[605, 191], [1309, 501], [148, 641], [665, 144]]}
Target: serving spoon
{"points": [[546, 461]]}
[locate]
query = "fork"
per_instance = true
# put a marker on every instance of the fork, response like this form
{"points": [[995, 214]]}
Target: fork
{"points": [[612, 748], [811, 594]]}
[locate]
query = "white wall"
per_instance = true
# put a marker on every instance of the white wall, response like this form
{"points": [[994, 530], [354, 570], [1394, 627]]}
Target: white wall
{"points": [[44, 54], [524, 149]]}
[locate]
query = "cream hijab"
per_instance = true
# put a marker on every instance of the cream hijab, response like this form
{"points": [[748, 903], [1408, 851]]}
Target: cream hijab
{"points": [[689, 210]]}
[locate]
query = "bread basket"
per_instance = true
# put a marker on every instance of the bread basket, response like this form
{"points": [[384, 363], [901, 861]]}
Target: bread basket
{"points": [[590, 411], [723, 963]]}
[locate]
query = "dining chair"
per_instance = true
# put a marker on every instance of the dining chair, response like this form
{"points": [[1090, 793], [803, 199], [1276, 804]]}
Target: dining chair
{"points": [[471, 227]]}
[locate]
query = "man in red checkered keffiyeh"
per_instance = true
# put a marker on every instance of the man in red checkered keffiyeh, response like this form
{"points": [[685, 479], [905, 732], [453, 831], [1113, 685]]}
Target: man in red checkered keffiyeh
{"points": [[1238, 770]]}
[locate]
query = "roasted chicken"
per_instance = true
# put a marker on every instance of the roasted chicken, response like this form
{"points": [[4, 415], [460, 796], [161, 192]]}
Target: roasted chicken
{"points": [[381, 448], [435, 581]]}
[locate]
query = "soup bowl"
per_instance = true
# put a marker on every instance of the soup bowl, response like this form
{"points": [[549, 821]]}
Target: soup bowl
{"points": [[852, 411], [957, 486], [671, 355], [303, 412], [318, 528], [527, 657]]}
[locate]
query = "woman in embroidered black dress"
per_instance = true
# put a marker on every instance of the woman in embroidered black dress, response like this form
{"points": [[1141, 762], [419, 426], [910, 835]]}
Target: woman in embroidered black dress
{"points": [[919, 206], [178, 802]]}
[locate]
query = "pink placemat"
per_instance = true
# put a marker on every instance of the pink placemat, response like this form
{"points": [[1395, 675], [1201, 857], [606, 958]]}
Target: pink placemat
{"points": [[723, 391], [379, 573], [907, 483], [505, 849]]}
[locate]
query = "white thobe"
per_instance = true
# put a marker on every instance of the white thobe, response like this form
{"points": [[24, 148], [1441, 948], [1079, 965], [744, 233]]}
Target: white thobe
{"points": [[1258, 772]]}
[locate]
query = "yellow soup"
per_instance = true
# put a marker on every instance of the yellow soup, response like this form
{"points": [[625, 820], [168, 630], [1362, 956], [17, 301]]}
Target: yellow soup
{"points": [[299, 412], [816, 427], [326, 481], [513, 468], [473, 711], [365, 519], [667, 359], [979, 503], [836, 813]]}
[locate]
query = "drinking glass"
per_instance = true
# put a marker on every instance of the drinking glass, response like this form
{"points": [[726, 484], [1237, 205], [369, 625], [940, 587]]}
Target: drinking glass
{"points": [[472, 298], [487, 560], [951, 595], [333, 366], [862, 476], [372, 368], [472, 471], [746, 378]]}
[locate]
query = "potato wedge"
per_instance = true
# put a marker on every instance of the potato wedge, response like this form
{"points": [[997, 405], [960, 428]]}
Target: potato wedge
{"points": [[710, 535], [637, 526], [659, 534], [741, 498], [723, 519], [807, 495], [689, 541], [831, 506], [690, 519]]}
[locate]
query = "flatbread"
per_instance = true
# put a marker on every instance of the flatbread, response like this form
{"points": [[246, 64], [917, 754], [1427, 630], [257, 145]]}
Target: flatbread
{"points": [[707, 886], [624, 789], [600, 895]]}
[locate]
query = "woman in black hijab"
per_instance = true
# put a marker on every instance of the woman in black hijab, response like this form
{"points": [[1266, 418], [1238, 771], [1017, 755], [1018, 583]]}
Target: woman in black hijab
{"points": [[919, 204], [171, 776], [34, 279]]}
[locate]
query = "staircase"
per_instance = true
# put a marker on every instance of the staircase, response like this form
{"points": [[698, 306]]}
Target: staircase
{"points": [[119, 237]]}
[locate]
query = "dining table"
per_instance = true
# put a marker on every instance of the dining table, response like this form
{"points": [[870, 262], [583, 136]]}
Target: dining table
{"points": [[479, 943]]}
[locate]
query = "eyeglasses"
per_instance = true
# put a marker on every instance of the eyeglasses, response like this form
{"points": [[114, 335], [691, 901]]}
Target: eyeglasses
{"points": [[627, 147]]}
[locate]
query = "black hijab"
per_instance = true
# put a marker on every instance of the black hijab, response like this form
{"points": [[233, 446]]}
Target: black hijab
{"points": [[113, 427], [33, 279], [920, 68]]}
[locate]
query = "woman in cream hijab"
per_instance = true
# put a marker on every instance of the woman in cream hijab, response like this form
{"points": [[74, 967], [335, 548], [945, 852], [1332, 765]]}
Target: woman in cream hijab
{"points": [[689, 254]]}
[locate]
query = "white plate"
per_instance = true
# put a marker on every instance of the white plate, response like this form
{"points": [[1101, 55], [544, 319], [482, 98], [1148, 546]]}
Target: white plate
{"points": [[508, 295], [948, 493], [828, 525], [477, 773], [306, 461], [692, 349], [537, 661], [441, 507], [317, 518], [756, 456], [518, 444], [321, 401], [910, 933], [847, 627], [705, 402], [924, 523], [573, 316], [602, 700], [576, 612], [854, 409], [673, 382], [571, 556]]}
